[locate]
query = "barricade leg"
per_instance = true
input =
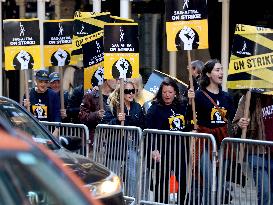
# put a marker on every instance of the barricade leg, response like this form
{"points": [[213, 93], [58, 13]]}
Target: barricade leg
{"points": [[206, 167], [166, 174], [250, 176]]}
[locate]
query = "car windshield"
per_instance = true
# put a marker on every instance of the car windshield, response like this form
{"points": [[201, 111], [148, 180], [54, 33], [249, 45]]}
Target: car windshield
{"points": [[18, 118], [29, 179]]}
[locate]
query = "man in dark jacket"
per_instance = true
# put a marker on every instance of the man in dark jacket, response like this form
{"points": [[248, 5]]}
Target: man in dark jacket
{"points": [[90, 111], [55, 85]]}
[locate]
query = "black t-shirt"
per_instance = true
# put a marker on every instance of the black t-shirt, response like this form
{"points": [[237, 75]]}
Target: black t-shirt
{"points": [[39, 105], [207, 114], [166, 117], [45, 106]]}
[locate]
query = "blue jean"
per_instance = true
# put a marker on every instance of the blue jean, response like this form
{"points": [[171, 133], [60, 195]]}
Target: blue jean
{"points": [[206, 171], [132, 171], [264, 183]]}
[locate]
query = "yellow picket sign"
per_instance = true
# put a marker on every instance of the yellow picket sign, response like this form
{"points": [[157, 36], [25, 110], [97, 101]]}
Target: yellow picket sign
{"points": [[121, 65], [177, 31], [22, 44], [57, 42]]}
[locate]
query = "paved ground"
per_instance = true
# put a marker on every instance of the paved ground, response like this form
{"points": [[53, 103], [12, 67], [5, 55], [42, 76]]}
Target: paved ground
{"points": [[245, 195]]}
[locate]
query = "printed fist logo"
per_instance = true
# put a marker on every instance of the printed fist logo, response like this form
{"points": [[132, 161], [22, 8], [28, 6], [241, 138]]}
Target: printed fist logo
{"points": [[60, 58], [97, 78], [176, 122], [122, 69], [23, 57], [216, 116], [39, 112], [23, 60], [189, 37]]}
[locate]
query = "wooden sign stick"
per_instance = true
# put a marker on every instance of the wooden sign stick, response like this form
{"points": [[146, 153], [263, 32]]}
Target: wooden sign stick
{"points": [[26, 88], [122, 98], [191, 87], [244, 130], [61, 87]]}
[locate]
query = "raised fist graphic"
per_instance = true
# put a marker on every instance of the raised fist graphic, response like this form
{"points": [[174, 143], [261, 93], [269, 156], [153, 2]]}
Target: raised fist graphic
{"points": [[187, 35], [61, 56], [99, 75], [176, 122], [23, 57], [39, 112], [122, 65]]}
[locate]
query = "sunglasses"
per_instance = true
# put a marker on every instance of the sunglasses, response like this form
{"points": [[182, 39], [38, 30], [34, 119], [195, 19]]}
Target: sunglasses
{"points": [[129, 91]]}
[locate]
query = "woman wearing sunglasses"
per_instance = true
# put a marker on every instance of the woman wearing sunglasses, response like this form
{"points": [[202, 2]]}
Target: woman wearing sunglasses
{"points": [[132, 116], [167, 157]]}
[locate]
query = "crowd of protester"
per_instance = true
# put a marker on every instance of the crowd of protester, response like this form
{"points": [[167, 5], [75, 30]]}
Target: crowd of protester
{"points": [[170, 110]]}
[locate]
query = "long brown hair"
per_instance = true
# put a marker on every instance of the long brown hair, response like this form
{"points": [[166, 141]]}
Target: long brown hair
{"points": [[168, 82]]}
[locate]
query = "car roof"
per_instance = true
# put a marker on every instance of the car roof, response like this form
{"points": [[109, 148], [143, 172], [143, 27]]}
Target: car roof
{"points": [[17, 141], [10, 143]]}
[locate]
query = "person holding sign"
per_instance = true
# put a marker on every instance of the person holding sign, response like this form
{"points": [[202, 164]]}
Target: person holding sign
{"points": [[259, 127], [168, 112], [44, 103], [54, 84], [90, 112], [214, 107], [132, 116]]}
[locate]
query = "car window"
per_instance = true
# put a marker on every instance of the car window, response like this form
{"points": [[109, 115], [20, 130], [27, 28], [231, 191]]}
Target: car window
{"points": [[26, 179], [18, 118]]}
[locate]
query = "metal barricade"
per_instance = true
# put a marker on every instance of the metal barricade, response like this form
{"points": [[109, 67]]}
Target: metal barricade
{"points": [[246, 172], [129, 200], [117, 148], [72, 130], [177, 168]]}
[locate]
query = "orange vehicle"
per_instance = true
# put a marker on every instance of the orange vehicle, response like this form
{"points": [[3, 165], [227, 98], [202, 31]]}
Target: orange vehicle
{"points": [[101, 182], [23, 167]]}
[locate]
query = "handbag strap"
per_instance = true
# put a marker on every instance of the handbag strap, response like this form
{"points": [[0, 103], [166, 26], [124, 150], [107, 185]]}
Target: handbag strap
{"points": [[213, 102]]}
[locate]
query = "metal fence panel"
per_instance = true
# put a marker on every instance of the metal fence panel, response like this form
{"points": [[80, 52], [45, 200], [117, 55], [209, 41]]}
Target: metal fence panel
{"points": [[129, 200], [117, 148], [177, 168], [245, 171], [71, 130]]}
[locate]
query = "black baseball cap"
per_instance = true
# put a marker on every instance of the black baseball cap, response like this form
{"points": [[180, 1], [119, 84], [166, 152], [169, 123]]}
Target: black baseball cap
{"points": [[54, 76], [42, 75]]}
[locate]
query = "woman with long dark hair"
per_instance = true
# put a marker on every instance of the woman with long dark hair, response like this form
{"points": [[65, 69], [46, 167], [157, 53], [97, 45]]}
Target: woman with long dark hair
{"points": [[214, 107], [167, 112]]}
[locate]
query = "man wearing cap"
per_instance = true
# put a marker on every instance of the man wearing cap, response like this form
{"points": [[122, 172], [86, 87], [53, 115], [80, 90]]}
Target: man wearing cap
{"points": [[54, 84], [44, 103]]}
